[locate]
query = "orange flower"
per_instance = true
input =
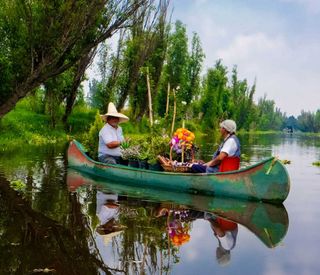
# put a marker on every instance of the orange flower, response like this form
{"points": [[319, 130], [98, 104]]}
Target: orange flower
{"points": [[183, 137], [180, 239]]}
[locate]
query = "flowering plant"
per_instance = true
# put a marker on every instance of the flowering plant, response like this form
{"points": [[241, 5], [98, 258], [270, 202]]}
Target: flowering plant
{"points": [[130, 152], [182, 138], [178, 232]]}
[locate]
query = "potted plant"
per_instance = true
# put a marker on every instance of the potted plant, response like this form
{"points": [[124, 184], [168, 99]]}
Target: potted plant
{"points": [[158, 146], [132, 155], [143, 159], [145, 155], [153, 164]]}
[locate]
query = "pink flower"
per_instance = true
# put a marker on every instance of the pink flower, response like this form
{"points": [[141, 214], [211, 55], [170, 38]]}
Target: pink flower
{"points": [[174, 140]]}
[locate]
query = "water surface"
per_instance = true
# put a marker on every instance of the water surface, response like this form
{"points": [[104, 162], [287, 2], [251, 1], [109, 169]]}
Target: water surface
{"points": [[54, 224]]}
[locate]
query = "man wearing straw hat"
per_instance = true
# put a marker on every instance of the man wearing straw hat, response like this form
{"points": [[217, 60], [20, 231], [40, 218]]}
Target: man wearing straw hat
{"points": [[107, 212], [111, 136]]}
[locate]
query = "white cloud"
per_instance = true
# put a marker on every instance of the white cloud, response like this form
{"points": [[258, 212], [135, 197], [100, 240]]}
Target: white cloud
{"points": [[284, 72], [312, 6], [201, 2], [274, 268], [252, 46]]}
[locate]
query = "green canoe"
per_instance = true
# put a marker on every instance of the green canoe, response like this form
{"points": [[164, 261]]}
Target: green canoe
{"points": [[268, 222], [267, 180]]}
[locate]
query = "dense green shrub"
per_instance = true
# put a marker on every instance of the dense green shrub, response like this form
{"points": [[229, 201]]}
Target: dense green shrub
{"points": [[91, 138]]}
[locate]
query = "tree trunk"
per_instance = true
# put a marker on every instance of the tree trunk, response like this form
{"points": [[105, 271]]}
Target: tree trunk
{"points": [[149, 99], [83, 64]]}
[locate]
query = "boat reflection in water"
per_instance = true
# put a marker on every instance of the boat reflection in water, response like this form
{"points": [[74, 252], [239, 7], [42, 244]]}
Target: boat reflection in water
{"points": [[154, 222]]}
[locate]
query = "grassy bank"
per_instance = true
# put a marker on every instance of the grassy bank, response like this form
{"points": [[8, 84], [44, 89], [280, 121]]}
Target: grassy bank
{"points": [[23, 126]]}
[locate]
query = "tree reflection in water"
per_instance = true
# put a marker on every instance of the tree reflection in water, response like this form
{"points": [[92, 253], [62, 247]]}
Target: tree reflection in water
{"points": [[31, 242], [143, 246]]}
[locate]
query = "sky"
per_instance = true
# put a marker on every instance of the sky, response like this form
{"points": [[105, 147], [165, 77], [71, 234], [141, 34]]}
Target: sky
{"points": [[276, 42]]}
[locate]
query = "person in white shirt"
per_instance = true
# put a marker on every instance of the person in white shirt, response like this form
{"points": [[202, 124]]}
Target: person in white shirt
{"points": [[226, 233], [107, 211], [111, 136], [228, 149]]}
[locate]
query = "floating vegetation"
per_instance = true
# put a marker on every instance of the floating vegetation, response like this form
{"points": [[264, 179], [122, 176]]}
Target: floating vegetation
{"points": [[285, 161], [18, 185], [245, 157], [316, 163]]}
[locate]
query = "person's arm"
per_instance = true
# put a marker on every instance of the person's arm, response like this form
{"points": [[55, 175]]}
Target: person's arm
{"points": [[113, 144], [217, 160]]}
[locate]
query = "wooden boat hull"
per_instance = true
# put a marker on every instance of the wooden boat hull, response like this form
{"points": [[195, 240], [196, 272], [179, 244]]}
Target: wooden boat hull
{"points": [[267, 180], [268, 222]]}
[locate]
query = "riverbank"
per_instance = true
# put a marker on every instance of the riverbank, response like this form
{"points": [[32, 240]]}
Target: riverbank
{"points": [[23, 126]]}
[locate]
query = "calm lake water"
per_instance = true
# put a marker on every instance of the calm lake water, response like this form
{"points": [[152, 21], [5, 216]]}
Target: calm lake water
{"points": [[53, 225]]}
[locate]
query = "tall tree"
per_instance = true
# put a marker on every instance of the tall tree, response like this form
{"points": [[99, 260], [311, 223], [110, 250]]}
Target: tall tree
{"points": [[41, 39], [194, 69], [213, 101], [78, 74], [317, 121], [269, 117], [241, 103], [306, 122], [146, 47], [177, 60], [111, 70]]}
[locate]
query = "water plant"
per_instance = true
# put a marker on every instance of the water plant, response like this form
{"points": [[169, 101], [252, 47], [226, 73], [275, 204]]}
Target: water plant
{"points": [[316, 163], [18, 185]]}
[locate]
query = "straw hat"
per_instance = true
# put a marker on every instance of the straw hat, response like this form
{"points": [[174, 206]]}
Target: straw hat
{"points": [[112, 111], [108, 237], [223, 256]]}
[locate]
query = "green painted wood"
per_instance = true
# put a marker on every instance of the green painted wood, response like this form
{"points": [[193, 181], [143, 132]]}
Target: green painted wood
{"points": [[268, 222], [267, 180]]}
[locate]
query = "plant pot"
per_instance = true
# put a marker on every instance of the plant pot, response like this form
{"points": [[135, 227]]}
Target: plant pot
{"points": [[143, 164], [133, 163], [155, 167], [124, 162]]}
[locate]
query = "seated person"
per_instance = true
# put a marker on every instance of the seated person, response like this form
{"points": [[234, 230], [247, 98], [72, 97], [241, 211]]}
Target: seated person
{"points": [[226, 233], [111, 136], [227, 157], [108, 212]]}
